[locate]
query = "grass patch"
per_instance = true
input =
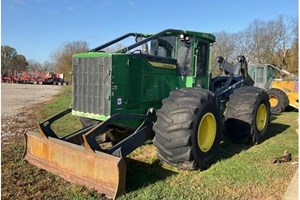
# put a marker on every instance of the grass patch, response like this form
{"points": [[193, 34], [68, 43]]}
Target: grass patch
{"points": [[66, 124], [241, 171]]}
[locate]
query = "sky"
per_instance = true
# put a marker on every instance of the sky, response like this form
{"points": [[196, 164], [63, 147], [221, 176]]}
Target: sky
{"points": [[38, 28]]}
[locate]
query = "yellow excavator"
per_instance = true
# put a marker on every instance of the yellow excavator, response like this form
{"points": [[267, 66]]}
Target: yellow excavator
{"points": [[283, 91]]}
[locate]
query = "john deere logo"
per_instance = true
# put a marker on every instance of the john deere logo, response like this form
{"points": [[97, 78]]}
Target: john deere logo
{"points": [[119, 101]]}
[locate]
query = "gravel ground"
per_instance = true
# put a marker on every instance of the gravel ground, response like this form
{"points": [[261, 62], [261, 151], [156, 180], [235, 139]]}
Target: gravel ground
{"points": [[15, 98]]}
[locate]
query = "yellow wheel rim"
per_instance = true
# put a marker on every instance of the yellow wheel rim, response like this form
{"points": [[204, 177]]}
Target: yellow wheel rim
{"points": [[207, 131], [261, 117], [273, 101]]}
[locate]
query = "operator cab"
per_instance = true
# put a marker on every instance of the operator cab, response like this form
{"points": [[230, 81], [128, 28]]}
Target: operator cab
{"points": [[187, 50], [179, 47]]}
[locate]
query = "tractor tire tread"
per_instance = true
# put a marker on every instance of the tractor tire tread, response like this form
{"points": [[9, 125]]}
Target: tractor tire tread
{"points": [[175, 128], [240, 115], [283, 100]]}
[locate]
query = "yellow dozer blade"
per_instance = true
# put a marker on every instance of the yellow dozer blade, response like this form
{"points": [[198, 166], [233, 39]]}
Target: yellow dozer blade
{"points": [[79, 158], [93, 169]]}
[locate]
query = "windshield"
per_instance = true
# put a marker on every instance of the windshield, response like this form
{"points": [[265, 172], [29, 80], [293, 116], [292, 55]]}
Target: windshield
{"points": [[164, 46]]}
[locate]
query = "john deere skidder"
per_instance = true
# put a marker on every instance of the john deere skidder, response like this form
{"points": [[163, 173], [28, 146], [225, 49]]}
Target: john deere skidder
{"points": [[155, 89]]}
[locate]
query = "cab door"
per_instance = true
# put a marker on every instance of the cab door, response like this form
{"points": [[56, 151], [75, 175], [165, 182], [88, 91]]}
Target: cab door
{"points": [[201, 63]]}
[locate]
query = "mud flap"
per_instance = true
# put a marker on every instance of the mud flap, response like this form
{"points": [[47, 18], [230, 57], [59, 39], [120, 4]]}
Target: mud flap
{"points": [[94, 169]]}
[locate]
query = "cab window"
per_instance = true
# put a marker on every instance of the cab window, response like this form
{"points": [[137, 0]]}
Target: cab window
{"points": [[202, 58], [184, 58], [163, 47]]}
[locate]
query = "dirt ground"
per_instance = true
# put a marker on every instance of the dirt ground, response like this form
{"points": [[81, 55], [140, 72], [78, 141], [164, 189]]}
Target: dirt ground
{"points": [[20, 180], [18, 103], [16, 96]]}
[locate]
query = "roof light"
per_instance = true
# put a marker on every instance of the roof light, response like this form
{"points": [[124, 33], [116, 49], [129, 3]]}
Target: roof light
{"points": [[181, 36]]}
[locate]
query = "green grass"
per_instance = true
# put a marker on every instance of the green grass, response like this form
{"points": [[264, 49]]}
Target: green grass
{"points": [[248, 174], [68, 123], [240, 171]]}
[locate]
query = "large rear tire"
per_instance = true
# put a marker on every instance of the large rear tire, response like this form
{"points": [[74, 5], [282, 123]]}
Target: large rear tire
{"points": [[279, 101], [247, 115], [188, 128]]}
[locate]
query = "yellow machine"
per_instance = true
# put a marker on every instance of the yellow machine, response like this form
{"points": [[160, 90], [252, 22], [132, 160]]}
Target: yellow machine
{"points": [[283, 92], [290, 88]]}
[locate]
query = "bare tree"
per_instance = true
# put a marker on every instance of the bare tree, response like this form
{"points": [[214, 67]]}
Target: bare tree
{"points": [[274, 42], [255, 35], [62, 58], [48, 66], [34, 65], [286, 38], [293, 62], [224, 45]]}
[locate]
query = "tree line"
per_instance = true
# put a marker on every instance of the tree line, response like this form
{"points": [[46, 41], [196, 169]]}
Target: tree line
{"points": [[60, 61], [11, 61], [262, 42], [267, 42]]}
